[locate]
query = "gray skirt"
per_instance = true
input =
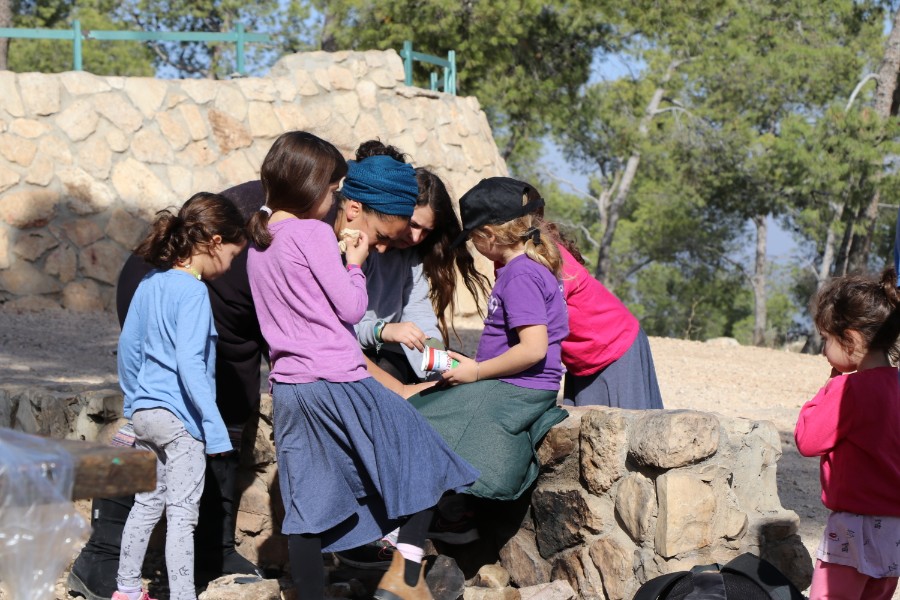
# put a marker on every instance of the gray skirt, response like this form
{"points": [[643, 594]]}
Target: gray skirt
{"points": [[629, 382], [495, 426], [354, 459]]}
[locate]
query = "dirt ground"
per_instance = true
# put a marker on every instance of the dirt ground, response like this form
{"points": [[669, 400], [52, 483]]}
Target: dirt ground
{"points": [[77, 351]]}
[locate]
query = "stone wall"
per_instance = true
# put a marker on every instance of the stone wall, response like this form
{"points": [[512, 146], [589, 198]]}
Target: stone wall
{"points": [[85, 161], [623, 496]]}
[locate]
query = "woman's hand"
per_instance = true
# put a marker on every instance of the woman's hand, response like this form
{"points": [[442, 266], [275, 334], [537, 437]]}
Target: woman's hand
{"points": [[358, 249], [466, 372], [406, 333]]}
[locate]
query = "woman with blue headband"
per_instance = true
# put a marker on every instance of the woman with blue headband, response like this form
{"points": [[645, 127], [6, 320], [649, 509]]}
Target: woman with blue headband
{"points": [[355, 460], [412, 285]]}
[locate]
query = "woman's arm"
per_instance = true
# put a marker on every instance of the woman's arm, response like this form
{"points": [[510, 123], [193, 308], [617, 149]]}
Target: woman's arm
{"points": [[388, 381]]}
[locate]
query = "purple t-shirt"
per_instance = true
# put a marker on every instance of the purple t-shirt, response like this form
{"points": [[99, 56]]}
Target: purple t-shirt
{"points": [[526, 293], [307, 303]]}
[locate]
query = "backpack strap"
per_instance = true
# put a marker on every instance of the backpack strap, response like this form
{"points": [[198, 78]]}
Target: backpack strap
{"points": [[708, 585], [765, 575], [658, 587]]}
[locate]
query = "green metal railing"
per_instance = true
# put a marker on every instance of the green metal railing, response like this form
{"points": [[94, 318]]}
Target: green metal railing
{"points": [[449, 65], [77, 37]]}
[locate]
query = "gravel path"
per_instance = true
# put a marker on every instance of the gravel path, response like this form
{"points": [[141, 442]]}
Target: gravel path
{"points": [[70, 350]]}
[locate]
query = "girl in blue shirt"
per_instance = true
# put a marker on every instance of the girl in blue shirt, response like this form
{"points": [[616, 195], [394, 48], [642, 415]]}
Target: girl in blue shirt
{"points": [[166, 361]]}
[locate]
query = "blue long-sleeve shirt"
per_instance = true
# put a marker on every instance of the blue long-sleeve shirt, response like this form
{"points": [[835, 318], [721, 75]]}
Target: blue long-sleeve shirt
{"points": [[167, 355]]}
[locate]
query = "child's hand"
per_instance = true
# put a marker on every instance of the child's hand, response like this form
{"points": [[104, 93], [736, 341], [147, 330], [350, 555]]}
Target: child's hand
{"points": [[405, 333], [411, 389], [357, 249], [466, 372]]}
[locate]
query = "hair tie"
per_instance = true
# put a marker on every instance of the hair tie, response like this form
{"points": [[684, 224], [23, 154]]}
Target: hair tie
{"points": [[266, 210], [535, 234]]}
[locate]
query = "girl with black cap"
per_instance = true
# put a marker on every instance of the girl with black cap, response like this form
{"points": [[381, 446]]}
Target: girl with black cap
{"points": [[355, 460], [497, 420]]}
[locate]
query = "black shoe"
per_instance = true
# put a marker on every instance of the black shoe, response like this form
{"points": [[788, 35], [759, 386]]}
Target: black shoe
{"points": [[377, 555], [458, 532], [93, 573], [77, 587]]}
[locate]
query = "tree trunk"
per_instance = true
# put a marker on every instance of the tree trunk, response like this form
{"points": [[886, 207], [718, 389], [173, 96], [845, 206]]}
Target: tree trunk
{"points": [[758, 281], [886, 85], [813, 343], [5, 21], [631, 167]]}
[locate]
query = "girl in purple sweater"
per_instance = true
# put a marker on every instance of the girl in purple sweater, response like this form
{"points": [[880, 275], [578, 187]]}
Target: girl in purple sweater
{"points": [[355, 460]]}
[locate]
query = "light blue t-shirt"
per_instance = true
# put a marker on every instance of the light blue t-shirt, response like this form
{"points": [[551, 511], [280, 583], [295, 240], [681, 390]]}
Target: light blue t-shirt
{"points": [[167, 355]]}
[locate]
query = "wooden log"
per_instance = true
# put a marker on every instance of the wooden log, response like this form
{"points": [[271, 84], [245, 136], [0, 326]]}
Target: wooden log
{"points": [[103, 471]]}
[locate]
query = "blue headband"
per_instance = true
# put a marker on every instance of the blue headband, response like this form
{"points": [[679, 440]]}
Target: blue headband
{"points": [[382, 183]]}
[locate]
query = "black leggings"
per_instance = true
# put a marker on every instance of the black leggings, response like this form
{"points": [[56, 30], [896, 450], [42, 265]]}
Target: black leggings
{"points": [[305, 552]]}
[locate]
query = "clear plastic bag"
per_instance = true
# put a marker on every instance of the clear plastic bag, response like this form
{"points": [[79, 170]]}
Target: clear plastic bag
{"points": [[40, 530]]}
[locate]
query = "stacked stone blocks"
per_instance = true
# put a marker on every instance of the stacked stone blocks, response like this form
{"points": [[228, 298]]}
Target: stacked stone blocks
{"points": [[86, 161]]}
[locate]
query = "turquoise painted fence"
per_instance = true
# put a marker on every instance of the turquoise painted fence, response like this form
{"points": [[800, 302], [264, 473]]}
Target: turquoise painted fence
{"points": [[239, 37], [447, 84], [77, 37]]}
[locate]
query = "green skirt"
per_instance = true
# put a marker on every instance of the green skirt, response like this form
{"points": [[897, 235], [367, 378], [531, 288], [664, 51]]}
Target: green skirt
{"points": [[495, 426]]}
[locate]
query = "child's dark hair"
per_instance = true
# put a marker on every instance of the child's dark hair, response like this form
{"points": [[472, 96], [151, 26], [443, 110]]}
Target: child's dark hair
{"points": [[864, 304], [295, 174], [174, 238]]}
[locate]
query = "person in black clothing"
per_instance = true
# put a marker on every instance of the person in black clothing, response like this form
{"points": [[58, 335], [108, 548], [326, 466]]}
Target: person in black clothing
{"points": [[239, 351]]}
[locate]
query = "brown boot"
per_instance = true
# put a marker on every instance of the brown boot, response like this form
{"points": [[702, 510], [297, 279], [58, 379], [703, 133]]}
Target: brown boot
{"points": [[393, 587]]}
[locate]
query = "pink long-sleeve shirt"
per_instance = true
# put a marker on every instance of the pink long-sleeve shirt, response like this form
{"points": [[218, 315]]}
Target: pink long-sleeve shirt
{"points": [[853, 423], [307, 303]]}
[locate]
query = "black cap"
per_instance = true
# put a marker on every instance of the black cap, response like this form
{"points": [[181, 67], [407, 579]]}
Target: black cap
{"points": [[492, 201]]}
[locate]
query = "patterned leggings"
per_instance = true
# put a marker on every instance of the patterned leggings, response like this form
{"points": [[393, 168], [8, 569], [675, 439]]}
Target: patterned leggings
{"points": [[180, 469]]}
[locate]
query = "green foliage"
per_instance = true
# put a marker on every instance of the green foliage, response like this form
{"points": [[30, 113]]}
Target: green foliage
{"points": [[192, 59], [750, 125], [523, 59], [53, 56], [685, 301], [284, 21]]}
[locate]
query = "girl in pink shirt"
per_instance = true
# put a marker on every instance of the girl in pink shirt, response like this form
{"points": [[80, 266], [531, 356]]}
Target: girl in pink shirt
{"points": [[853, 424]]}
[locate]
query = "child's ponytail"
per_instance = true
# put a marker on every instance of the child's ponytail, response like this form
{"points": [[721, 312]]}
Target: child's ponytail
{"points": [[532, 232], [540, 246], [166, 241], [258, 228], [174, 238], [887, 335]]}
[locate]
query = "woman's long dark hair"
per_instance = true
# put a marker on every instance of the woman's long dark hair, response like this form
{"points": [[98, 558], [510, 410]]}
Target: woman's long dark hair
{"points": [[174, 238], [295, 174], [438, 258]]}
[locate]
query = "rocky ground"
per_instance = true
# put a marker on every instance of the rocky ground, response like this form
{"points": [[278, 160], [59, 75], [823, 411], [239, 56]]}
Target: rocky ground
{"points": [[72, 350]]}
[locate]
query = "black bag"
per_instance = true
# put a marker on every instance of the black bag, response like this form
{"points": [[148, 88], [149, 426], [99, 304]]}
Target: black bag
{"points": [[746, 577]]}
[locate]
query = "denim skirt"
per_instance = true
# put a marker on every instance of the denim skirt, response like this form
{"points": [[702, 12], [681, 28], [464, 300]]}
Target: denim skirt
{"points": [[355, 459]]}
